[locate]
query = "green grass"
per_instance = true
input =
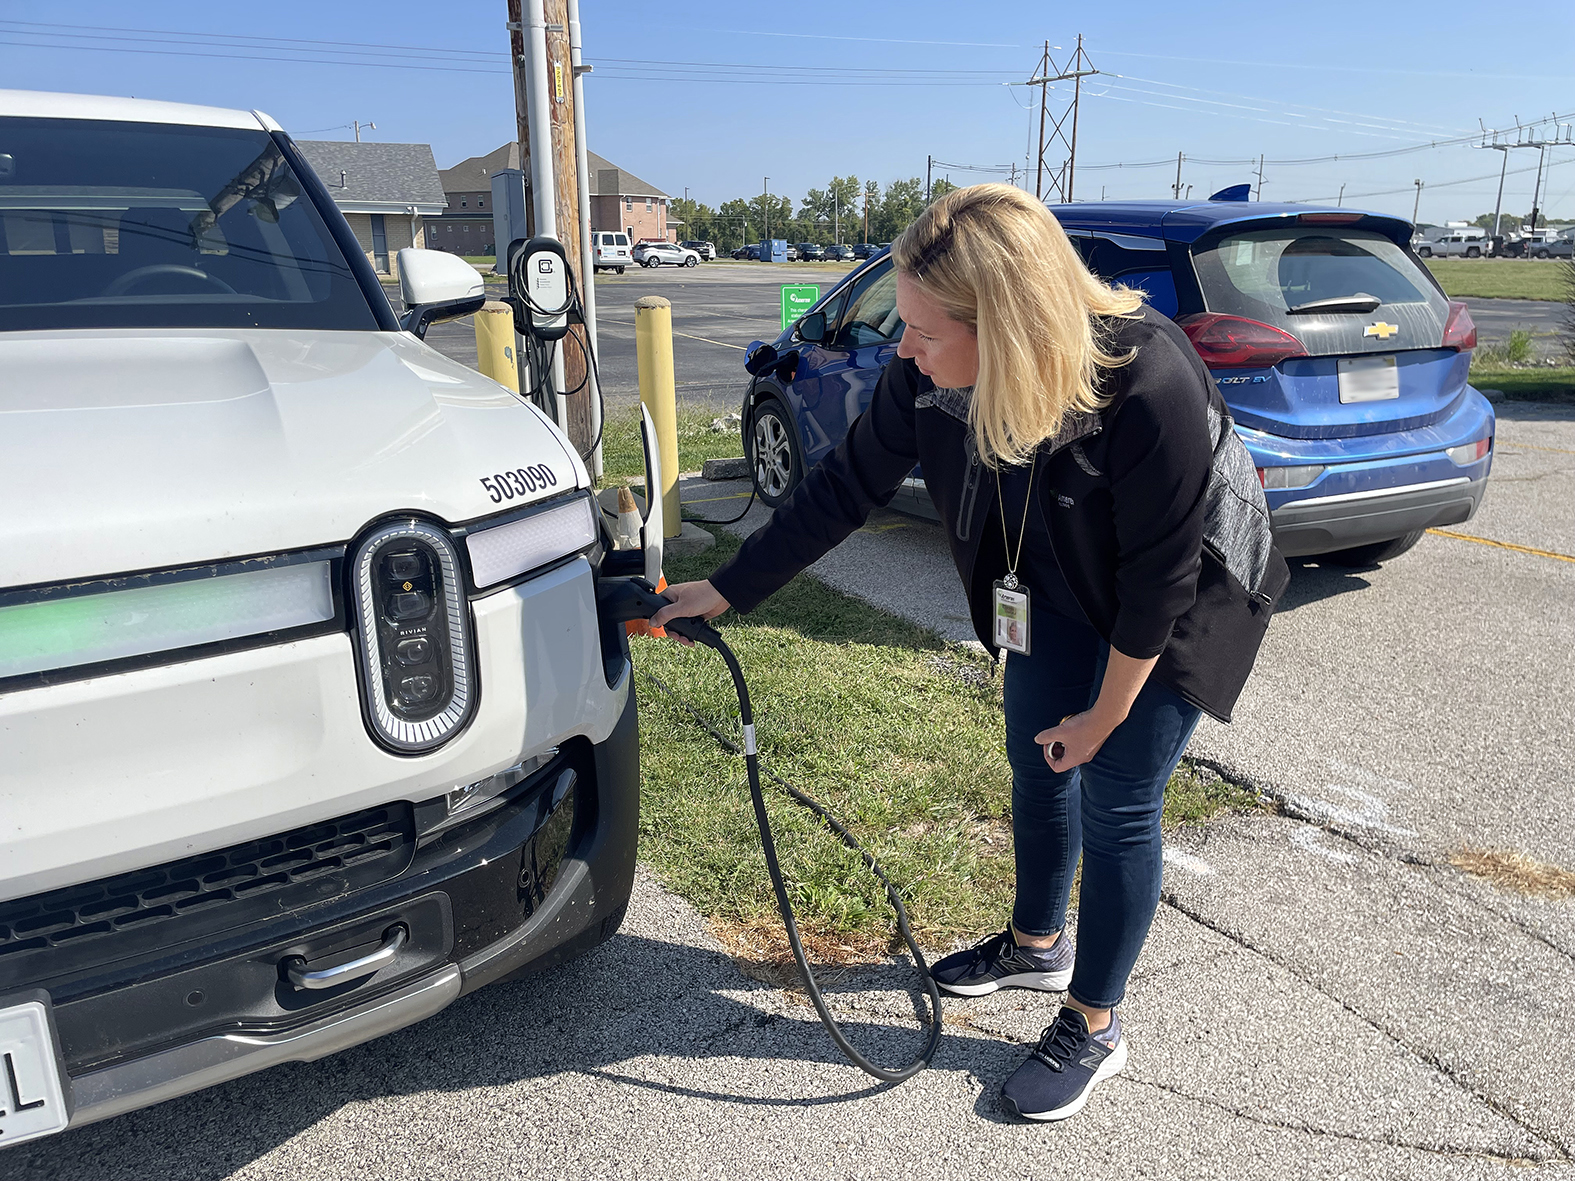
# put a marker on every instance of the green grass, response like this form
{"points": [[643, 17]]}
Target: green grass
{"points": [[897, 732], [1516, 350], [1531, 384], [623, 459], [1501, 278]]}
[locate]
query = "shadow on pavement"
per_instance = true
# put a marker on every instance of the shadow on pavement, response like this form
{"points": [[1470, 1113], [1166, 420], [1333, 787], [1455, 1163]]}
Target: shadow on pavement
{"points": [[639, 1011], [1313, 582]]}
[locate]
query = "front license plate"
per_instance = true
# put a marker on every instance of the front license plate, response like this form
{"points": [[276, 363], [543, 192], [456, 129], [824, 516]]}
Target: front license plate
{"points": [[1368, 379], [32, 1101]]}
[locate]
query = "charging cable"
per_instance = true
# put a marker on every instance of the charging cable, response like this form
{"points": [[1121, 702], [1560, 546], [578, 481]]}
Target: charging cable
{"points": [[624, 599]]}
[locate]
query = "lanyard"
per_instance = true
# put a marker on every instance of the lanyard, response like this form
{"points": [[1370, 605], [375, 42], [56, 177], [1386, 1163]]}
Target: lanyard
{"points": [[1010, 581]]}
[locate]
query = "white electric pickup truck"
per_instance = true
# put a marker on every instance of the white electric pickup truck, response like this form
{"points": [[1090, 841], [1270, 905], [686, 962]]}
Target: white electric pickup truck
{"points": [[308, 722]]}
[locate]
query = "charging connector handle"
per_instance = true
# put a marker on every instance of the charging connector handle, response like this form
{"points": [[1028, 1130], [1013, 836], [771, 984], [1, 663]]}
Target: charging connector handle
{"points": [[624, 599]]}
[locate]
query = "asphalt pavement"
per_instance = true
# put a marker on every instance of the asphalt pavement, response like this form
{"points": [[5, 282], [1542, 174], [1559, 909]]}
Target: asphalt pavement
{"points": [[1323, 995]]}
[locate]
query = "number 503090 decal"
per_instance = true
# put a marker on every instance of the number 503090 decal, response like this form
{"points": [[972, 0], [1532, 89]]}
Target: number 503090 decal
{"points": [[520, 481]]}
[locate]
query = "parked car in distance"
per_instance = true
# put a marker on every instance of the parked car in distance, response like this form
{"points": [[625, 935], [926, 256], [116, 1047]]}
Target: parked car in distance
{"points": [[811, 252], [1344, 365], [319, 729], [655, 254], [863, 250], [610, 250], [1457, 243], [706, 250], [792, 253], [748, 250], [839, 254]]}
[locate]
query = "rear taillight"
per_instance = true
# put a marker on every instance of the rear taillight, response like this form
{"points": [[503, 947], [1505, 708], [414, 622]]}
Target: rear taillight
{"points": [[1460, 330], [1469, 453], [1235, 342], [1298, 476]]}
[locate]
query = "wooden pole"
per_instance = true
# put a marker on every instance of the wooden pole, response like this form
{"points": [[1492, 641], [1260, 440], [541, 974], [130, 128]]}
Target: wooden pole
{"points": [[565, 186]]}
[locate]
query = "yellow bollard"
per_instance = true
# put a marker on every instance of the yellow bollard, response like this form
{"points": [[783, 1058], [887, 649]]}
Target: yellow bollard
{"points": [[653, 346], [495, 344]]}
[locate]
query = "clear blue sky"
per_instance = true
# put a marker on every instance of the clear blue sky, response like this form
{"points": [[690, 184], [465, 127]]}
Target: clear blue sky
{"points": [[708, 96]]}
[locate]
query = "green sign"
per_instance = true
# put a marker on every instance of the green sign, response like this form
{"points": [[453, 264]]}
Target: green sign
{"points": [[797, 298]]}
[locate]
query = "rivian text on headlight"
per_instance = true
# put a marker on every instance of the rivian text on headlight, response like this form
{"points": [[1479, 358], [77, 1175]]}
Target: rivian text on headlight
{"points": [[80, 629], [417, 675]]}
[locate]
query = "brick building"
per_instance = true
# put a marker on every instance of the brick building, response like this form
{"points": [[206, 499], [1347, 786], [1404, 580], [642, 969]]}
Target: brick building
{"points": [[619, 201], [387, 193]]}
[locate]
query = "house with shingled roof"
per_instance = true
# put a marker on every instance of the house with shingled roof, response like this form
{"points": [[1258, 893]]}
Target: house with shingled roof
{"points": [[387, 192]]}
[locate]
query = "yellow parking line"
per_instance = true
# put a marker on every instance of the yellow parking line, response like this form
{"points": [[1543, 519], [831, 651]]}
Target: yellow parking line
{"points": [[685, 335], [1519, 549], [711, 499], [1534, 447]]}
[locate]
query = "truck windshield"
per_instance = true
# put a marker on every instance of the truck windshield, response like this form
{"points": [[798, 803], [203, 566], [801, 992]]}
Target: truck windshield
{"points": [[1263, 274], [150, 225]]}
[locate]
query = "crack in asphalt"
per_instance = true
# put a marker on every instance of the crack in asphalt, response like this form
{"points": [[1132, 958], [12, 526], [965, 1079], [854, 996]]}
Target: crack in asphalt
{"points": [[1421, 1054], [1333, 1133]]}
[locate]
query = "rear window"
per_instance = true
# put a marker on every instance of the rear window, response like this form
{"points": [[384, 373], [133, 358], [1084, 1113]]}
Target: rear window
{"points": [[1273, 275], [146, 225]]}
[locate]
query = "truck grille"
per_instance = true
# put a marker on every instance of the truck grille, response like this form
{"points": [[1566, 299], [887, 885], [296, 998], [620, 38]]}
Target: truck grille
{"points": [[132, 913]]}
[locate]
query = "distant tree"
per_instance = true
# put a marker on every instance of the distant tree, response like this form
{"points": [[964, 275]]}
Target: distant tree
{"points": [[899, 205], [871, 199], [736, 224], [699, 220]]}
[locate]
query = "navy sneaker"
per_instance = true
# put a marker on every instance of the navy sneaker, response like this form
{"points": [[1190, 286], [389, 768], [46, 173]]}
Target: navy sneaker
{"points": [[999, 963], [1065, 1067]]}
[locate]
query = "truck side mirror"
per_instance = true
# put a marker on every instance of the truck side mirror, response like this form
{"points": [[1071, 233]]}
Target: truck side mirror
{"points": [[437, 286]]}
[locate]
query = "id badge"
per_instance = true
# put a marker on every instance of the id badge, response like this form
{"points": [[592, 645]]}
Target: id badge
{"points": [[1011, 617]]}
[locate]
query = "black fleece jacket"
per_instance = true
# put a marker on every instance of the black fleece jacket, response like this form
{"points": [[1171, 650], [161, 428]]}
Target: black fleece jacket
{"points": [[1122, 493]]}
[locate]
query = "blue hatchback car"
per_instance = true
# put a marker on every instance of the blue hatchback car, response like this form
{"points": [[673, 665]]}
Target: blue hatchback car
{"points": [[1343, 362]]}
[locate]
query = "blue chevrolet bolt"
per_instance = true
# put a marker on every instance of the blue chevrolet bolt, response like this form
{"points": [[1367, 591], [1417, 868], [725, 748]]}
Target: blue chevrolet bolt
{"points": [[1344, 364]]}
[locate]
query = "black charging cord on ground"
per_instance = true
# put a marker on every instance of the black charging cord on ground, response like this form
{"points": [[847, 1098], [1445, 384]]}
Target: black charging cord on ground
{"points": [[754, 489], [624, 599]]}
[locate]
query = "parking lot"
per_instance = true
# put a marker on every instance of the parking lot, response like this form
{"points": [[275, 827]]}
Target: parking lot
{"points": [[1325, 994]]}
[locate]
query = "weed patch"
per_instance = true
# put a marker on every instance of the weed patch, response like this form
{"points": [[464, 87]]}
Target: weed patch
{"points": [[1511, 870]]}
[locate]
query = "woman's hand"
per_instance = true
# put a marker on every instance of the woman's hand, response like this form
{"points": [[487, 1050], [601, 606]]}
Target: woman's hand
{"points": [[1075, 741], [690, 599]]}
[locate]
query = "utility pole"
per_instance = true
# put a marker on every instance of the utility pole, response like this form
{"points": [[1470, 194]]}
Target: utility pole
{"points": [[1014, 176], [1417, 204], [929, 166], [1176, 190], [1525, 137], [369, 127], [1077, 68], [765, 209], [1259, 196], [544, 112], [836, 215], [1536, 193]]}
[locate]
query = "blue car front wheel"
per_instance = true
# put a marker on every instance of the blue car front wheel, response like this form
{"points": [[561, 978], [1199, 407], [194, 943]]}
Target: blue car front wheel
{"points": [[774, 460]]}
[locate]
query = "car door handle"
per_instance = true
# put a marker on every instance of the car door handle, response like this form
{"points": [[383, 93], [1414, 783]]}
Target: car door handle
{"points": [[393, 939]]}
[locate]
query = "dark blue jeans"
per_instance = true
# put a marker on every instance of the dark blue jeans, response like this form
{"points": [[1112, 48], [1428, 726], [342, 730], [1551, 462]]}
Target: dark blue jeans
{"points": [[1107, 810]]}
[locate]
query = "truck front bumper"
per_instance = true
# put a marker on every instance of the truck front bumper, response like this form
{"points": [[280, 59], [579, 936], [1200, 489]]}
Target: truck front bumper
{"points": [[532, 882]]}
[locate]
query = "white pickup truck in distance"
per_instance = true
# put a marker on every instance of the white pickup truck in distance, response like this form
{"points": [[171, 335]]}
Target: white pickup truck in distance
{"points": [[308, 721]]}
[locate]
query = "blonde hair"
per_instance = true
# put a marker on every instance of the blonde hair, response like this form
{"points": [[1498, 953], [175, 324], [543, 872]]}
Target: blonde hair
{"points": [[995, 259]]}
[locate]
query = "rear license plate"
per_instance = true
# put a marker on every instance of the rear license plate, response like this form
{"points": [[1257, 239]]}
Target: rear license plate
{"points": [[32, 1101], [1368, 379]]}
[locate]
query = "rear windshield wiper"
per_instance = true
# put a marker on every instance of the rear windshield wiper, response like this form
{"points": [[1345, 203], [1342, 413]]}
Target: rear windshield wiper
{"points": [[1360, 302]]}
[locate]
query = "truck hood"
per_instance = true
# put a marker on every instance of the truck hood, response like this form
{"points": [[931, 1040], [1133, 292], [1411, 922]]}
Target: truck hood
{"points": [[135, 450]]}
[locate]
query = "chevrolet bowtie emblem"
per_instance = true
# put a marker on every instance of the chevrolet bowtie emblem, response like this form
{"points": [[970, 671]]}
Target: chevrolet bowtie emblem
{"points": [[1381, 330]]}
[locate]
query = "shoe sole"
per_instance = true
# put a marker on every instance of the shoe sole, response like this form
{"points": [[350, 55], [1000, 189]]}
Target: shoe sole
{"points": [[1109, 1068], [1042, 981]]}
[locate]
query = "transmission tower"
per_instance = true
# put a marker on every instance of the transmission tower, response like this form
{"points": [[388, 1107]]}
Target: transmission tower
{"points": [[1075, 69]]}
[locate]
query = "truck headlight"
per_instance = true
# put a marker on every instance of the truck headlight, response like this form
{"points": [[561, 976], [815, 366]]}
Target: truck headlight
{"points": [[501, 552], [417, 673], [68, 632]]}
